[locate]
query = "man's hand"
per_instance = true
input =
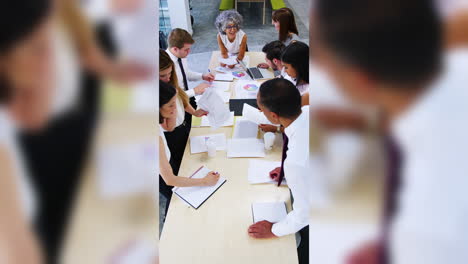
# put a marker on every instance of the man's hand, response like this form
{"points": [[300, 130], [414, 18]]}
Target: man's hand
{"points": [[263, 65], [208, 77], [261, 229], [274, 174], [200, 89], [268, 128], [369, 253]]}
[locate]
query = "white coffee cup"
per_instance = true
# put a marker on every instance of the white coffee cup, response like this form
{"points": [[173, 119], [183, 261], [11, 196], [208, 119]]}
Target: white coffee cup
{"points": [[211, 147], [269, 140]]}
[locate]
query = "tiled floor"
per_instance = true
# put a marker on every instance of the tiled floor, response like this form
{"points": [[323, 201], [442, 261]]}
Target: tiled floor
{"points": [[205, 12]]}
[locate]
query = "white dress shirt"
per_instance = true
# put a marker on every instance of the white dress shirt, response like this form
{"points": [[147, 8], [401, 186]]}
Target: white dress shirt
{"points": [[191, 76], [297, 174], [233, 47], [8, 141], [430, 226]]}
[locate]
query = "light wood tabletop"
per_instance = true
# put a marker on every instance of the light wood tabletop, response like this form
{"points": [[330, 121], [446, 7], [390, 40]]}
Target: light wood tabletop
{"points": [[101, 228], [217, 231]]}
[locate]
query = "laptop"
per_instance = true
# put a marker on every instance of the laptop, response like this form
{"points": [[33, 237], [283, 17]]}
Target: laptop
{"points": [[256, 73]]}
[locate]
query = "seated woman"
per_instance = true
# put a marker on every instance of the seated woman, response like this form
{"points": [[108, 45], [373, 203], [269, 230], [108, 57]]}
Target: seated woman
{"points": [[295, 59], [178, 136], [232, 40], [167, 113], [285, 23]]}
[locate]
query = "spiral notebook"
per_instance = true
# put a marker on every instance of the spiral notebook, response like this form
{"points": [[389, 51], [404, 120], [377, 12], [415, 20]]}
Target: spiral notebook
{"points": [[197, 195]]}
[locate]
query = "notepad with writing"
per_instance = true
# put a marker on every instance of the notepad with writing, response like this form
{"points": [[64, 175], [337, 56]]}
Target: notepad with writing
{"points": [[197, 195], [272, 212]]}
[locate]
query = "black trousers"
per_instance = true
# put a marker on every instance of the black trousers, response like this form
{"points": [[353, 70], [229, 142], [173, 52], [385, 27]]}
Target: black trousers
{"points": [[303, 249], [176, 141]]}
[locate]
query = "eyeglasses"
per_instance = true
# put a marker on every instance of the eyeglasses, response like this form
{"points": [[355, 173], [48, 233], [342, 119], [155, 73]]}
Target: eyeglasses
{"points": [[232, 27]]}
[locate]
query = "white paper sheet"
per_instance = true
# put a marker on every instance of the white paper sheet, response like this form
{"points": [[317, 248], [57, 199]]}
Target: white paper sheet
{"points": [[247, 89], [272, 212], [198, 143], [229, 61], [205, 122], [253, 114], [245, 148], [195, 196], [224, 77], [218, 111], [259, 171], [126, 169], [221, 86], [245, 129], [232, 60]]}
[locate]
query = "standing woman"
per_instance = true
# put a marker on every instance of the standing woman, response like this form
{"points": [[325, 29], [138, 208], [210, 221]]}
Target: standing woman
{"points": [[25, 81], [285, 24], [232, 40], [167, 112], [178, 129]]}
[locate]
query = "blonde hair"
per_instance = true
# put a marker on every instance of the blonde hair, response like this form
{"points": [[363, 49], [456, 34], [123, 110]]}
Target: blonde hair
{"points": [[165, 62]]}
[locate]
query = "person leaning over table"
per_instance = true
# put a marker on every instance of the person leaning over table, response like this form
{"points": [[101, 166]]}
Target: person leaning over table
{"points": [[176, 130], [167, 113], [180, 42], [280, 101], [273, 51]]}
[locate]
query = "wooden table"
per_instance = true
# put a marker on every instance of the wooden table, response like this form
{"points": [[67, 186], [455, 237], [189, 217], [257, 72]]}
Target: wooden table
{"points": [[217, 231], [100, 227]]}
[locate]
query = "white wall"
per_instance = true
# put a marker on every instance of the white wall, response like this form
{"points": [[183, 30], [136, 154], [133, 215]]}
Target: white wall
{"points": [[179, 13]]}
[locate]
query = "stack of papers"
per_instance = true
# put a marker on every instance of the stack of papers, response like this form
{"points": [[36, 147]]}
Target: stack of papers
{"points": [[272, 212], [247, 89], [245, 148], [198, 143], [245, 129], [221, 86], [253, 114], [205, 122], [224, 77], [196, 196], [259, 171]]}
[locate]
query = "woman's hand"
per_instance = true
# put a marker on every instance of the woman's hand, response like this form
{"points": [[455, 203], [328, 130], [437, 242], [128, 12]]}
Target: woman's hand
{"points": [[200, 89], [268, 128], [211, 179], [231, 66], [200, 113]]}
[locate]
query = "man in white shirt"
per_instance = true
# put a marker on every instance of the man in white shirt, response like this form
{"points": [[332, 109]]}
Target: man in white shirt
{"points": [[380, 54], [180, 42], [280, 101], [273, 52]]}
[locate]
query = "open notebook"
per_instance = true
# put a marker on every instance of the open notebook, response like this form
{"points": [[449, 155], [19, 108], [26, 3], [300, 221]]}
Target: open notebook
{"points": [[196, 196], [272, 212]]}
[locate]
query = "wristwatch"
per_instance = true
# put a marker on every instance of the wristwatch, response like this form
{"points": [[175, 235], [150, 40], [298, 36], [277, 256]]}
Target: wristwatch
{"points": [[278, 129]]}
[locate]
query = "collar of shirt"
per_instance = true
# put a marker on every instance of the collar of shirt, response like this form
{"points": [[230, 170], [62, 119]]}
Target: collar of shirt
{"points": [[299, 123], [173, 57]]}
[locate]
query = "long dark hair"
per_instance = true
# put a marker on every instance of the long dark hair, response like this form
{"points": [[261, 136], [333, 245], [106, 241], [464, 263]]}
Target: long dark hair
{"points": [[285, 17], [18, 19], [166, 93], [297, 54]]}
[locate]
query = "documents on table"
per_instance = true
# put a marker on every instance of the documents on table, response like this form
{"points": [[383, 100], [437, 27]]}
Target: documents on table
{"points": [[221, 86], [259, 171], [272, 212], [197, 195], [245, 148], [247, 89], [245, 129], [232, 60], [253, 114], [224, 77], [126, 169], [134, 251], [218, 111], [198, 143], [205, 122]]}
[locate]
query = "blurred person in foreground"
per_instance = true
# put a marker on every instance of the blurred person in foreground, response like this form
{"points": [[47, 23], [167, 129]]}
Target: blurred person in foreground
{"points": [[25, 80], [56, 155], [390, 54]]}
